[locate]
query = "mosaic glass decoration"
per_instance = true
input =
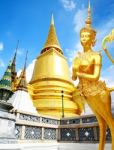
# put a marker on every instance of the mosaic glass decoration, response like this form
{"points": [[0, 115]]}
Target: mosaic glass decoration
{"points": [[33, 133], [49, 134]]}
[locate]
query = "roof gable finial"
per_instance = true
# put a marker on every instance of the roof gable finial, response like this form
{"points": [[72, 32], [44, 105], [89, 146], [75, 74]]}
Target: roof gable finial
{"points": [[25, 60], [14, 59]]}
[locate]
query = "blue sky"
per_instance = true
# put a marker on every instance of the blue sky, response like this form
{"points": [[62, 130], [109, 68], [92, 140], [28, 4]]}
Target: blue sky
{"points": [[28, 21]]}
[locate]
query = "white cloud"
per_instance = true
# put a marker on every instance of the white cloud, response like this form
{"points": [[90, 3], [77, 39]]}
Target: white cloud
{"points": [[29, 71], [20, 52], [79, 19], [70, 55], [1, 46], [19, 72], [1, 63], [68, 4], [108, 77], [104, 30]]}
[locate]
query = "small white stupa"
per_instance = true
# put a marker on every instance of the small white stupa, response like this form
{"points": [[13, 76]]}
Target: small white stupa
{"points": [[21, 99]]}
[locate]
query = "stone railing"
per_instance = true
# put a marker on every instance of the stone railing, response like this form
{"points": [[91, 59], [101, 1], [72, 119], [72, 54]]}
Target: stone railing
{"points": [[83, 129], [27, 127], [80, 129], [31, 127]]}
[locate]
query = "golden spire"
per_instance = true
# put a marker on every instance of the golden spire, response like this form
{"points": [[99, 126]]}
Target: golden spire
{"points": [[52, 40], [88, 20], [22, 85], [14, 73]]}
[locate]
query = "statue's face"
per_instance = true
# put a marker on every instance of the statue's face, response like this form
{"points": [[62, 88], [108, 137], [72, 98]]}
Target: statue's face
{"points": [[85, 38]]}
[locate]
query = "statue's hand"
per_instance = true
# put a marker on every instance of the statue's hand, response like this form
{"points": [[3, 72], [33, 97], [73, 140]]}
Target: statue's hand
{"points": [[74, 78], [76, 63], [75, 68], [80, 74]]}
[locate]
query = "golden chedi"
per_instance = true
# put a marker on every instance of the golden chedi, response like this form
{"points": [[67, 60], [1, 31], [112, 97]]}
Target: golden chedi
{"points": [[51, 76]]}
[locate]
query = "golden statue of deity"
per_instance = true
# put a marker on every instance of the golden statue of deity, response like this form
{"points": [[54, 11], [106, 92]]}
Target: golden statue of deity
{"points": [[87, 67]]}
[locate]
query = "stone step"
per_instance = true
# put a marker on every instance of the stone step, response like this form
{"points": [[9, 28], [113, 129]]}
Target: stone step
{"points": [[52, 146]]}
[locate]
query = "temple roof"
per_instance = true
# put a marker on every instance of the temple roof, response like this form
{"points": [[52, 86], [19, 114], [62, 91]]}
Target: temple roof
{"points": [[6, 81], [52, 40]]}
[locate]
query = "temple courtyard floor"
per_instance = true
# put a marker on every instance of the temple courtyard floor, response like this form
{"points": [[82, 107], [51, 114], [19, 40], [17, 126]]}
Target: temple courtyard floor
{"points": [[52, 146]]}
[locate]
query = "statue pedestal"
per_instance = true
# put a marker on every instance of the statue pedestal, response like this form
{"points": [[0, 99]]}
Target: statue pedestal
{"points": [[7, 124]]}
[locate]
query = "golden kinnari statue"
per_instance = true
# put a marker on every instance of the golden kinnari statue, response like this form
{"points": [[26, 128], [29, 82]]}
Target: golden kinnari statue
{"points": [[87, 67]]}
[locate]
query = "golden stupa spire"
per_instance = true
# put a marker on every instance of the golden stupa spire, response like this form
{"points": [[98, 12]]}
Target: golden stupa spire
{"points": [[52, 40], [88, 20]]}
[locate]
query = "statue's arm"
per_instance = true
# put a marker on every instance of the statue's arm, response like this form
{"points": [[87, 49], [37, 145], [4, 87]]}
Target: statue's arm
{"points": [[74, 76], [75, 68], [96, 73]]}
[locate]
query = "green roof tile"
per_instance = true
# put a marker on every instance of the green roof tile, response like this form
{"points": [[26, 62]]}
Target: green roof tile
{"points": [[6, 81]]}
